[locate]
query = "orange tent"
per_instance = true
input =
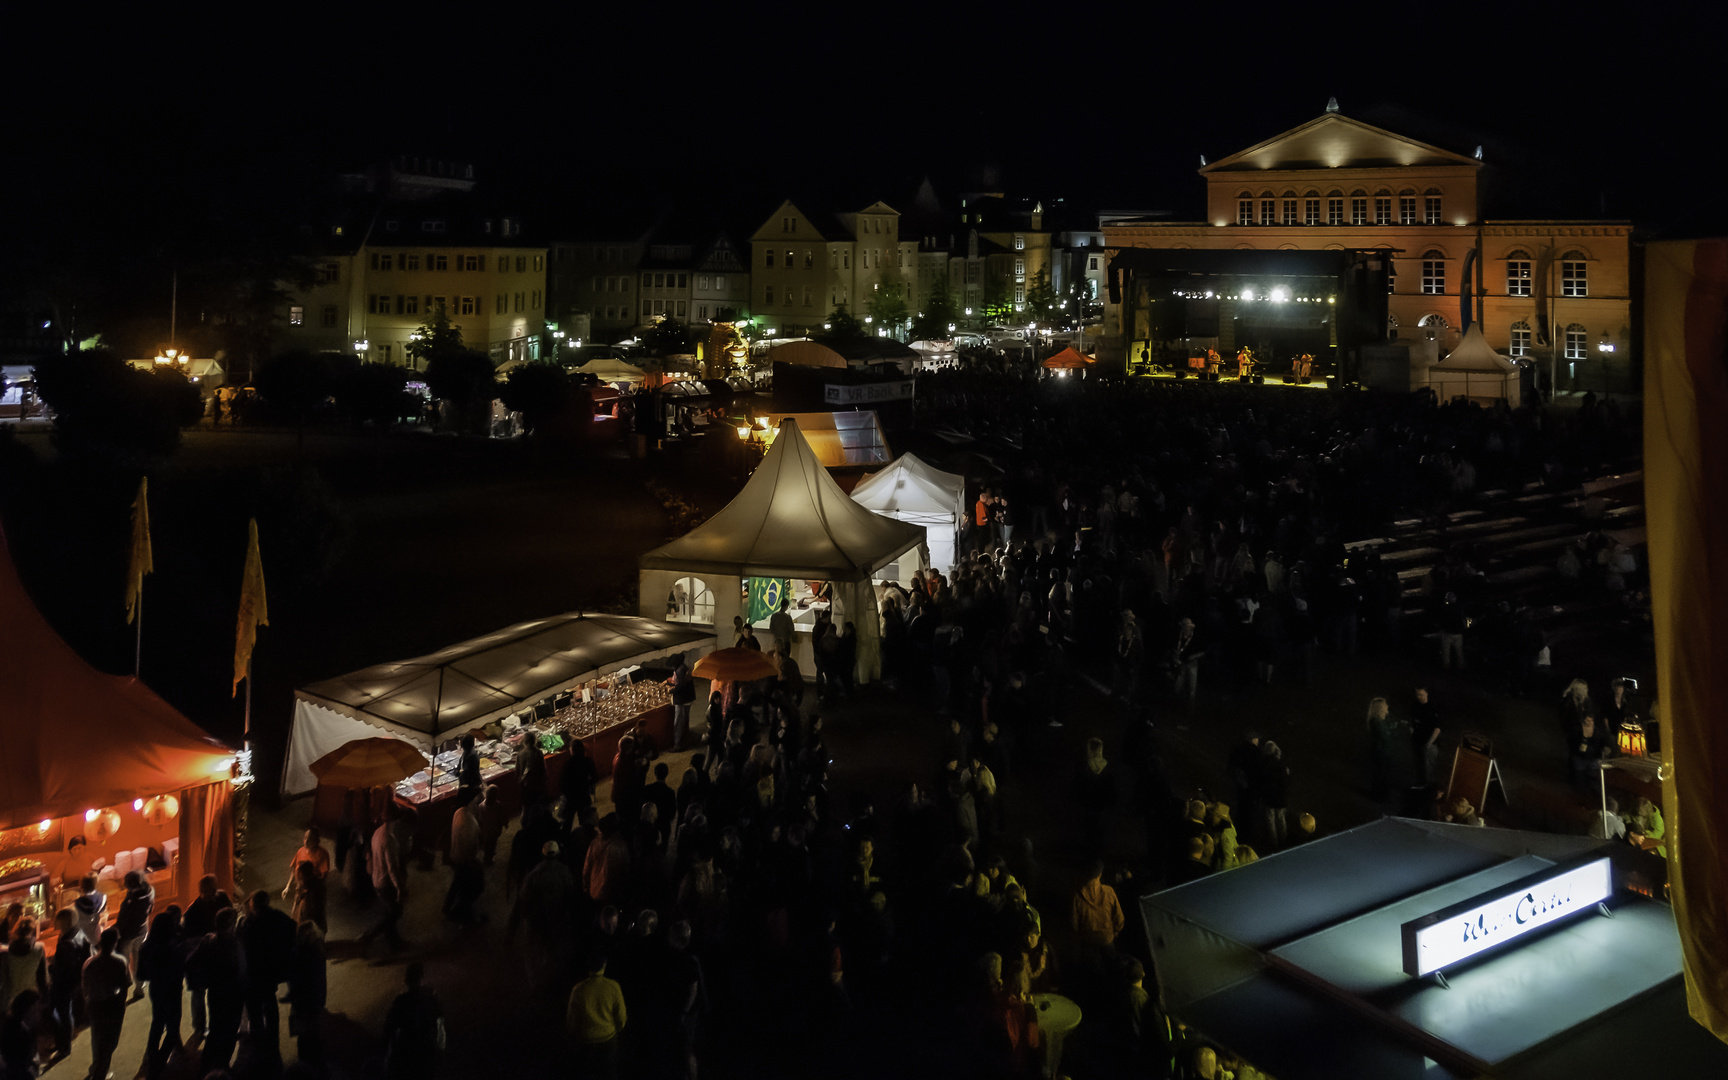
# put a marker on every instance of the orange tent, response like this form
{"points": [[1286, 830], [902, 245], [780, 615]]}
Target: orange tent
{"points": [[1069, 359], [74, 739]]}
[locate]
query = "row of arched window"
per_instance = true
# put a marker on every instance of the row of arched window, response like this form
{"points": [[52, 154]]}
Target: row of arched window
{"points": [[1573, 342]]}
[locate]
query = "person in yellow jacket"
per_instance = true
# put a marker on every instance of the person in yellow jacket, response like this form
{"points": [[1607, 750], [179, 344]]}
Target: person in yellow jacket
{"points": [[595, 1019], [1096, 913]]}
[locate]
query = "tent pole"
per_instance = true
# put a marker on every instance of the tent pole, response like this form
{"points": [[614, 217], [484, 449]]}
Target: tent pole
{"points": [[138, 648], [246, 731]]}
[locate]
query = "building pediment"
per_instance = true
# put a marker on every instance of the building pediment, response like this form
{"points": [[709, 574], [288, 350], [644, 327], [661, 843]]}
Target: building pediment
{"points": [[1335, 141]]}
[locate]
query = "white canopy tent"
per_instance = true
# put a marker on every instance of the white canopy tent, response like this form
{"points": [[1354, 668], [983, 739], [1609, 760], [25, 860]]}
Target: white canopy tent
{"points": [[433, 698], [613, 371], [913, 490], [790, 521], [1475, 371]]}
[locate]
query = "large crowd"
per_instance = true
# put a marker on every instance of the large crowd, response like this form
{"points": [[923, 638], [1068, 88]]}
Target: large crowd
{"points": [[1141, 544]]}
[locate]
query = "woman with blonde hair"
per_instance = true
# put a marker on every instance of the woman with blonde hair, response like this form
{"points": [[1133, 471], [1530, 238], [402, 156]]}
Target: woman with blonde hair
{"points": [[1382, 746], [1575, 705]]}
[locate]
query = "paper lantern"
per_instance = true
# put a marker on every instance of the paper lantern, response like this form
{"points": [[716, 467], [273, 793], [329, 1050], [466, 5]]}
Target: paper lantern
{"points": [[1632, 739], [161, 810], [101, 825]]}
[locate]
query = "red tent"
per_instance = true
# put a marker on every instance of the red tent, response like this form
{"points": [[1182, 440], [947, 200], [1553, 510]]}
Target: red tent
{"points": [[1069, 359], [74, 739]]}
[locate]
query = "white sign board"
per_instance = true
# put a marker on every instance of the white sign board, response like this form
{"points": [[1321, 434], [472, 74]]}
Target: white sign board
{"points": [[1455, 934], [867, 393]]}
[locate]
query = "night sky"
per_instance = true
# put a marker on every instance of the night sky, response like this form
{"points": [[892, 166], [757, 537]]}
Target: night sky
{"points": [[127, 143]]}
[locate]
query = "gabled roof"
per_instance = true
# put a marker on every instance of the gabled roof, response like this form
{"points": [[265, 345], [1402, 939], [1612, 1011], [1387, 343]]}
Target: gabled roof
{"points": [[791, 520], [1333, 140], [878, 207], [77, 738]]}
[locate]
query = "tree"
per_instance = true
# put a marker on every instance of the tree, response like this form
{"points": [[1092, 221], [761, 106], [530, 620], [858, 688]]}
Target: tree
{"points": [[1042, 303], [374, 393], [996, 305], [466, 379], [886, 305], [298, 382], [667, 338], [840, 325], [540, 392], [437, 336], [105, 407], [938, 313]]}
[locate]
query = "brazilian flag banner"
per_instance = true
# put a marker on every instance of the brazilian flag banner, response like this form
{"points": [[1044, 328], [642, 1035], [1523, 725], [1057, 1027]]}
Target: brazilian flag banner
{"points": [[764, 597]]}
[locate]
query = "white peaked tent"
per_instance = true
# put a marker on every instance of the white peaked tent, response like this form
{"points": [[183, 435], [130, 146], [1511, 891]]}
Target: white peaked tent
{"points": [[1475, 371], [430, 699], [913, 490], [793, 521]]}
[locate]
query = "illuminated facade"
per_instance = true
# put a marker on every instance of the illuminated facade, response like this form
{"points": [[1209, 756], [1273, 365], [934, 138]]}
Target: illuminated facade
{"points": [[424, 244], [1554, 291], [803, 265]]}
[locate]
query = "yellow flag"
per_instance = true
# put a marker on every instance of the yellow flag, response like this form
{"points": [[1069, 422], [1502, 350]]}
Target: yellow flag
{"points": [[254, 612], [143, 562]]}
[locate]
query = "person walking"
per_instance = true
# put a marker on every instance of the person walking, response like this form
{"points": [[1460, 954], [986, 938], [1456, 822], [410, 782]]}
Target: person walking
{"points": [[308, 991], [132, 920], [683, 696], [595, 1017], [1274, 795], [218, 963], [414, 1029], [389, 877], [1425, 738], [198, 923], [267, 936], [467, 874], [105, 980], [65, 975], [545, 902], [1453, 623], [162, 966]]}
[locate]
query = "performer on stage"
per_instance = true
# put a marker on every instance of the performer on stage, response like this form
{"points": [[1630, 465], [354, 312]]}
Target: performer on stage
{"points": [[1244, 363]]}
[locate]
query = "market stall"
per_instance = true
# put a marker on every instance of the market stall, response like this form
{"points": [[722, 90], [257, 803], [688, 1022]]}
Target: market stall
{"points": [[98, 774], [563, 679], [913, 490], [791, 522], [1475, 372]]}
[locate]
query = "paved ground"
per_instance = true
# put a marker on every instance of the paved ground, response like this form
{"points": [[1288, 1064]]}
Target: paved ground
{"points": [[439, 547]]}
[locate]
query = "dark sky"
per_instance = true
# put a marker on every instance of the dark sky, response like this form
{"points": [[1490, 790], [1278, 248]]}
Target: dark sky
{"points": [[1109, 106]]}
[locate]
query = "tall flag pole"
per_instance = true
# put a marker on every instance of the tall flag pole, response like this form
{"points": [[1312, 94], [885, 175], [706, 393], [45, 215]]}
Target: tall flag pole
{"points": [[142, 562], [254, 612]]}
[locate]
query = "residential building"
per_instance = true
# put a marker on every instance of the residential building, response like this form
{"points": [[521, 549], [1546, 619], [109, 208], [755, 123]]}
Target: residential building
{"points": [[1554, 290], [410, 239], [805, 264], [601, 276], [1014, 245]]}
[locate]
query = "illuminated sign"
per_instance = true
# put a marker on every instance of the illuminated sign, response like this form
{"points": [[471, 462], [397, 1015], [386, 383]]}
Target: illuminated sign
{"points": [[1452, 935], [899, 390]]}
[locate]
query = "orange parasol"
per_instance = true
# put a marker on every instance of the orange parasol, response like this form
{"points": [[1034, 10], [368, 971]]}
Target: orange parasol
{"points": [[367, 763], [736, 664]]}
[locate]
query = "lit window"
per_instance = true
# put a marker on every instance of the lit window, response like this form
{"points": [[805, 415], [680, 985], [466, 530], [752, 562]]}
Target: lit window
{"points": [[1575, 335], [1268, 211], [1019, 267], [1406, 209], [1431, 213], [1520, 339], [789, 255], [296, 316], [1244, 211], [1334, 211], [1358, 211], [1289, 211], [1517, 277], [1573, 279], [1382, 209], [1019, 242], [1311, 212], [1433, 273], [1019, 294]]}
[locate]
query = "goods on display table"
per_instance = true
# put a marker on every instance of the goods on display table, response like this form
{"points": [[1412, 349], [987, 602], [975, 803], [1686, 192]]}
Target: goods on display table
{"points": [[596, 714]]}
